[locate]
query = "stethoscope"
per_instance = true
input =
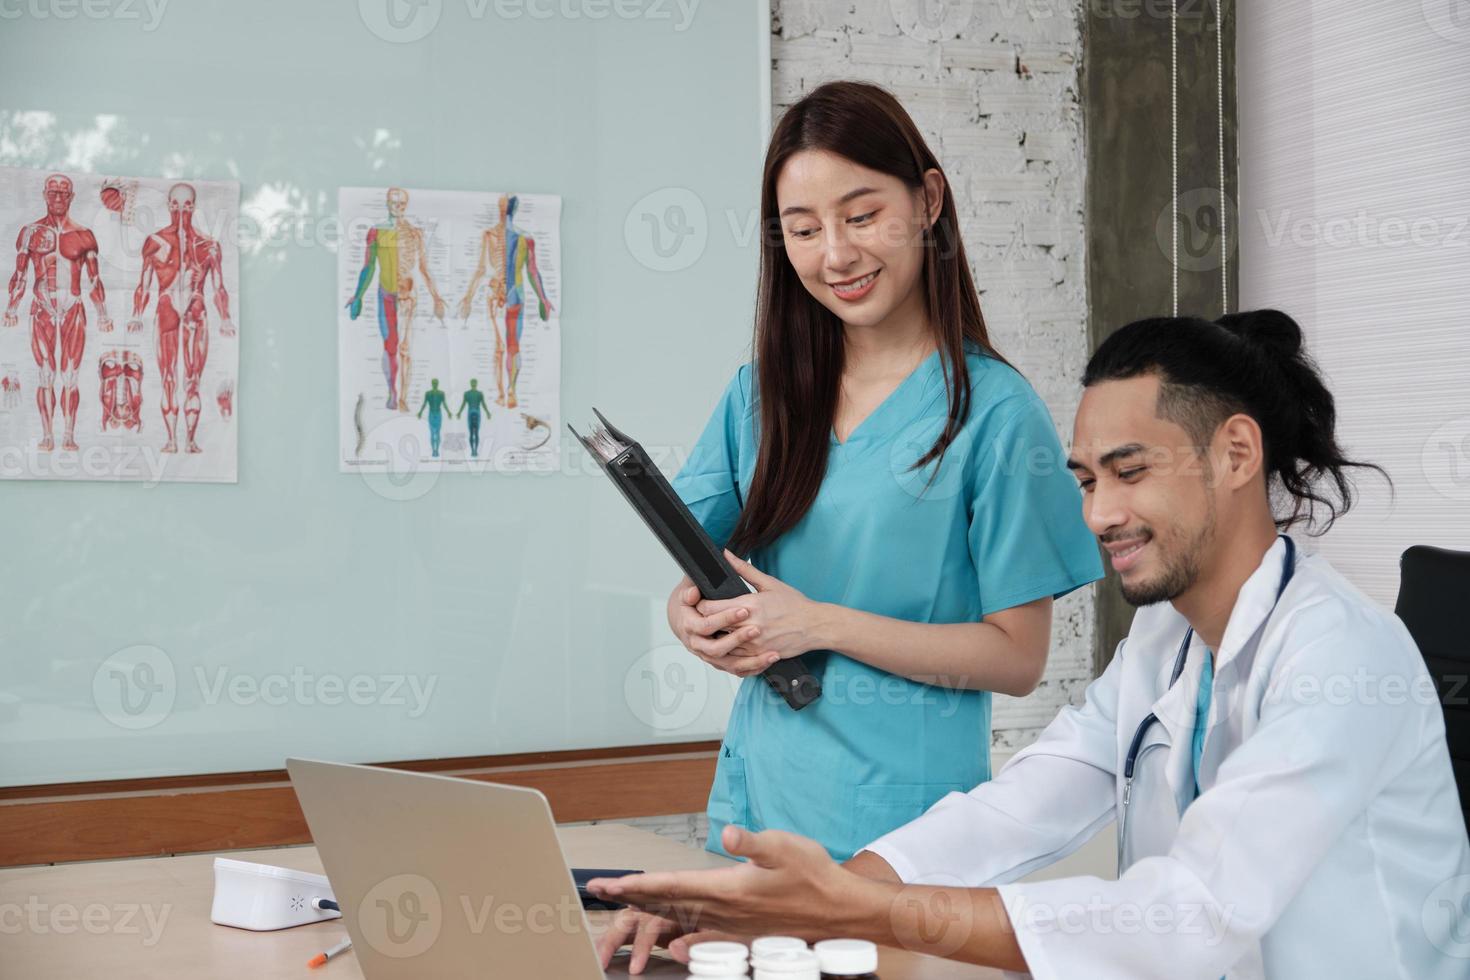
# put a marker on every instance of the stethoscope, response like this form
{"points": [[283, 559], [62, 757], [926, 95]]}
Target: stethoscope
{"points": [[1288, 569]]}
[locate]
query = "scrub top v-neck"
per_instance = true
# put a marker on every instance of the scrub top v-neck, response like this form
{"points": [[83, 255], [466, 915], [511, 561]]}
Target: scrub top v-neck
{"points": [[998, 523], [893, 396]]}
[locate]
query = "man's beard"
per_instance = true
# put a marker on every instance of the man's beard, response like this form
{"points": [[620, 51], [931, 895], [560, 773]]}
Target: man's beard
{"points": [[1181, 570]]}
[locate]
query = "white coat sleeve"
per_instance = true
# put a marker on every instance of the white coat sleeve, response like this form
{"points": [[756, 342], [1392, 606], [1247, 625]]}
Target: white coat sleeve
{"points": [[1245, 847], [1049, 800]]}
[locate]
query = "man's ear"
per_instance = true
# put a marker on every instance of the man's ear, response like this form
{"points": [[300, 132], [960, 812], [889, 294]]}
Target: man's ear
{"points": [[1241, 451]]}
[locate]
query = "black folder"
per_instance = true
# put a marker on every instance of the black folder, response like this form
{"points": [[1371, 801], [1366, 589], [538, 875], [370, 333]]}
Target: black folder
{"points": [[634, 474]]}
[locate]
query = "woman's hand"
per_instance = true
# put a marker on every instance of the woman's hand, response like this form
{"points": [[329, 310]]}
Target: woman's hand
{"points": [[697, 631], [789, 623]]}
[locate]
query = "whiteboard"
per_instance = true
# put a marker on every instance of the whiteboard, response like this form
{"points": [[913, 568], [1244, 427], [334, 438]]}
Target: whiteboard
{"points": [[166, 629]]}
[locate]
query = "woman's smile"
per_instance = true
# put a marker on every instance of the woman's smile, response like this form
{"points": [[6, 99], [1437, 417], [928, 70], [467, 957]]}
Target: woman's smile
{"points": [[855, 289]]}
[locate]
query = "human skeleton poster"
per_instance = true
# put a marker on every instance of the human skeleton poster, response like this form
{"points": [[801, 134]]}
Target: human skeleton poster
{"points": [[449, 340]]}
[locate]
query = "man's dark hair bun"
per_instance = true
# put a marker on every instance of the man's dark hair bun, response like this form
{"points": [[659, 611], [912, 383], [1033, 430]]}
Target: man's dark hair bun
{"points": [[1270, 330]]}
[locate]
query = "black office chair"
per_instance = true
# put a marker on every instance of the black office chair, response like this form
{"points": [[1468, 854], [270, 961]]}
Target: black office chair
{"points": [[1434, 602]]}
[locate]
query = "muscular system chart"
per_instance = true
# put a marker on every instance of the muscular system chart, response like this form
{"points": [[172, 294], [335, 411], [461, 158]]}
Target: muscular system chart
{"points": [[118, 347]]}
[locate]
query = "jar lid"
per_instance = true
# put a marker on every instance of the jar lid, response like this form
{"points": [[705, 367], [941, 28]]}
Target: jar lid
{"points": [[787, 963], [732, 970], [847, 957], [704, 971], [717, 952], [770, 944]]}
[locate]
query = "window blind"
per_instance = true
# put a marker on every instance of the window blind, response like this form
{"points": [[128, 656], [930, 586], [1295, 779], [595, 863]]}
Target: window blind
{"points": [[1355, 219]]}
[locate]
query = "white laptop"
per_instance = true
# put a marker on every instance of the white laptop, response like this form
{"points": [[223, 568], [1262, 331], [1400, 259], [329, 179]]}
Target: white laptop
{"points": [[448, 878]]}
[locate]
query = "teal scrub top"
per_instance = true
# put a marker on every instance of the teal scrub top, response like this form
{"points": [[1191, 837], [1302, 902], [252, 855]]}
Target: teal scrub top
{"points": [[1202, 713], [999, 526]]}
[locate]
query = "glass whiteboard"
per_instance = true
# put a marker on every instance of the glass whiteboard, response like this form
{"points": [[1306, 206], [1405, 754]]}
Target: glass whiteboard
{"points": [[150, 630]]}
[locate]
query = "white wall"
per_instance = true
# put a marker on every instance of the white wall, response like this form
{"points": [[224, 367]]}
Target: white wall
{"points": [[1355, 219]]}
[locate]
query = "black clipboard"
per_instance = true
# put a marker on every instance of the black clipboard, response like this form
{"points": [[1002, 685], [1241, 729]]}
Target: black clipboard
{"points": [[654, 500]]}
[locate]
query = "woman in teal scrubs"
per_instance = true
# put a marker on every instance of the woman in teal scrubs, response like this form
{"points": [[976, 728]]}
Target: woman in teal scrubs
{"points": [[898, 489]]}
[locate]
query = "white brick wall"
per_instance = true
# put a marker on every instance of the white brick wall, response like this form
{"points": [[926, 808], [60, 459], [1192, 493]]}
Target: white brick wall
{"points": [[992, 84]]}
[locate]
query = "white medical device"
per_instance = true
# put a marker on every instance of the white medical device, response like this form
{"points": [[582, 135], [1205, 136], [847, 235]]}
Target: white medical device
{"points": [[263, 898]]}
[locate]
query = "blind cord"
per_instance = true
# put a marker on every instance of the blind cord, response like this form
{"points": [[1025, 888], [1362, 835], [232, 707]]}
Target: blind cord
{"points": [[1174, 151], [1220, 118]]}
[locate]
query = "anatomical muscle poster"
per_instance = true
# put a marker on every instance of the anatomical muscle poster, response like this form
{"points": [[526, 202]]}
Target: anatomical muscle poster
{"points": [[118, 347]]}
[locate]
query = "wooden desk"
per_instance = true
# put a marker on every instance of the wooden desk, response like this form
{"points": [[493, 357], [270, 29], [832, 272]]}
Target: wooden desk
{"points": [[146, 919]]}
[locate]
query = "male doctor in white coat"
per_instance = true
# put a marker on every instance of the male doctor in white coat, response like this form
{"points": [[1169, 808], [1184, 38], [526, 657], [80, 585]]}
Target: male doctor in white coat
{"points": [[1292, 812]]}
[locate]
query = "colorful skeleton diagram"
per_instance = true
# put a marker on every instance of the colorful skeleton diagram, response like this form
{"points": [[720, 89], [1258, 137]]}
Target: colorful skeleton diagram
{"points": [[480, 392]]}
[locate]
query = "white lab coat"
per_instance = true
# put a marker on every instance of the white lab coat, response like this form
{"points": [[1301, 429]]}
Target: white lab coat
{"points": [[1328, 840]]}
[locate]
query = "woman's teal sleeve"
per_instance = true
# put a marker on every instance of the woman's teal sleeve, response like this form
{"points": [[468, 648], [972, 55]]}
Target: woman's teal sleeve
{"points": [[1027, 537], [708, 482]]}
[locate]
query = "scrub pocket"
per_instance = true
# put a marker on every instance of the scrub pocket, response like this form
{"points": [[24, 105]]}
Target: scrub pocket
{"points": [[728, 802], [881, 807]]}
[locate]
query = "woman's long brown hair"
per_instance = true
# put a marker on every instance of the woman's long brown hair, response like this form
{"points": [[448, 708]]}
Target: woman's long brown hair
{"points": [[799, 342]]}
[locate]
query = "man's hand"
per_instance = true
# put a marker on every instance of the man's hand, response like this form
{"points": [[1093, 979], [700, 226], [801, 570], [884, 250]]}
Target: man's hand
{"points": [[789, 886], [644, 931]]}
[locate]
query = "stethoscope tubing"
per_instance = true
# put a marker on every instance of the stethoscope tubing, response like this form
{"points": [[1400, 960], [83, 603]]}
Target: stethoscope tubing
{"points": [[1134, 746]]}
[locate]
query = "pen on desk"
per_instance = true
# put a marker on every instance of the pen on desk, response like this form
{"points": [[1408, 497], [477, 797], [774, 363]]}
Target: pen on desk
{"points": [[321, 958]]}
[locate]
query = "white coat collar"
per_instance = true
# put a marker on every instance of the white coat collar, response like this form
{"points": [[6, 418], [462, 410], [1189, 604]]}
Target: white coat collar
{"points": [[1253, 604], [1175, 707]]}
